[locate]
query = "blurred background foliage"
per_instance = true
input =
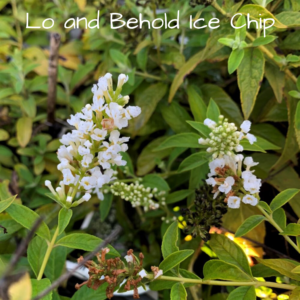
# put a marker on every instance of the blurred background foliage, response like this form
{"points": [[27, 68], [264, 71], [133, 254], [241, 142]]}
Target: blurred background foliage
{"points": [[173, 73]]}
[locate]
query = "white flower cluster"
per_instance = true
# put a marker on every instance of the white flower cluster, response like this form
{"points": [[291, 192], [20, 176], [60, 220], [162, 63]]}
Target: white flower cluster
{"points": [[226, 175], [224, 138], [94, 146], [138, 194]]}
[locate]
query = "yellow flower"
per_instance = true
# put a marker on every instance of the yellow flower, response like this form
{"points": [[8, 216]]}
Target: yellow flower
{"points": [[188, 238]]}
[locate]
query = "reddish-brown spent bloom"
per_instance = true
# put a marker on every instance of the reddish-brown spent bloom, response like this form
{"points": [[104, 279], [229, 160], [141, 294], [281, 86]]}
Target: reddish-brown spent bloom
{"points": [[114, 271]]}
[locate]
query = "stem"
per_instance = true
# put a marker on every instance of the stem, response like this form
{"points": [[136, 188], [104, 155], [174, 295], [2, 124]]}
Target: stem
{"points": [[262, 48], [271, 221], [226, 283], [140, 213], [47, 255], [146, 75]]}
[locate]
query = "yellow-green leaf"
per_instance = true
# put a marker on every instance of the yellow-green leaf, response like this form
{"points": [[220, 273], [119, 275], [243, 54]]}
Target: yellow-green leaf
{"points": [[259, 12], [24, 130]]}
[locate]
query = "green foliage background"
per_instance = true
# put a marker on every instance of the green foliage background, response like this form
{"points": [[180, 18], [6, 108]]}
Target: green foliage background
{"points": [[173, 74]]}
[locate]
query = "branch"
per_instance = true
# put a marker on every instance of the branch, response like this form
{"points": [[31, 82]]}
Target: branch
{"points": [[52, 72], [68, 274]]}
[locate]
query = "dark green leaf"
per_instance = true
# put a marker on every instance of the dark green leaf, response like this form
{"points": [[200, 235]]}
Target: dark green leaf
{"points": [[249, 224]]}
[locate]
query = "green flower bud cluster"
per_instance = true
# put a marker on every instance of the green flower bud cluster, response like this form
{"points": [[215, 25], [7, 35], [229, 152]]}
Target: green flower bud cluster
{"points": [[207, 212], [137, 194], [224, 139]]}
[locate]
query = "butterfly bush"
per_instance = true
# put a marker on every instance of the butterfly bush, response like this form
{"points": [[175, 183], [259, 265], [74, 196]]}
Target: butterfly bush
{"points": [[90, 152], [226, 175]]}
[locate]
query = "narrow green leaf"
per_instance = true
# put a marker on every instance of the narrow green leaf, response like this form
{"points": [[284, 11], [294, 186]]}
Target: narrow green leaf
{"points": [[4, 204], [282, 198], [105, 206], [178, 292], [155, 181], [265, 206], [279, 217], [295, 294], [193, 161], [198, 106], [250, 74], [169, 242], [243, 293], [264, 40], [174, 259], [35, 253], [178, 196], [249, 224], [24, 130], [27, 218], [64, 218], [38, 286], [203, 129], [291, 229], [83, 241], [230, 252], [276, 79], [296, 270], [189, 140], [213, 111], [218, 269], [235, 60], [283, 266]]}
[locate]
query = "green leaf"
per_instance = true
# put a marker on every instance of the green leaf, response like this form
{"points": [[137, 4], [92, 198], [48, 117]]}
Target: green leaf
{"points": [[105, 206], [283, 266], [265, 206], [27, 218], [4, 204], [155, 181], [264, 40], [282, 198], [249, 224], [83, 241], [24, 130], [80, 74], [218, 269], [148, 159], [178, 292], [193, 161], [295, 94], [176, 116], [38, 286], [243, 292], [276, 79], [227, 106], [259, 12], [203, 129], [213, 111], [235, 59], [90, 294], [36, 253], [147, 101], [230, 252], [250, 74], [4, 135], [295, 294], [197, 105], [174, 259], [189, 140], [296, 270], [279, 217], [56, 263], [291, 229], [178, 196], [260, 270], [297, 120], [64, 218], [254, 147], [169, 242]]}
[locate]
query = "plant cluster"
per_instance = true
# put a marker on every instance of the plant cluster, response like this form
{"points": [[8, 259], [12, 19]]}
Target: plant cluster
{"points": [[177, 166]]}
